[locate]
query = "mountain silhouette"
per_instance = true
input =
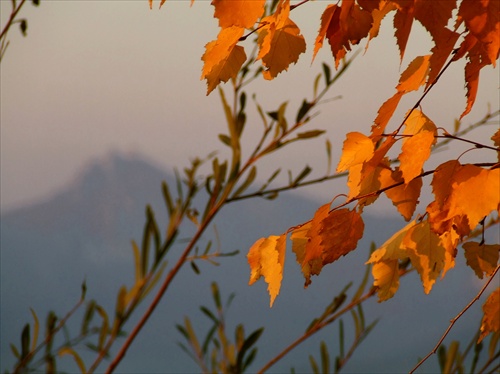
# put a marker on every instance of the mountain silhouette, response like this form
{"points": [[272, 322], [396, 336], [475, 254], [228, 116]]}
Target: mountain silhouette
{"points": [[84, 232]]}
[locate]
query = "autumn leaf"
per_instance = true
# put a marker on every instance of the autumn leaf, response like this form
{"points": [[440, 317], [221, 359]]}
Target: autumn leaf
{"points": [[482, 258], [357, 149], [343, 26], [385, 260], [311, 259], [426, 253], [223, 58], [454, 206], [241, 13], [419, 134], [414, 76], [267, 258], [404, 196], [280, 41], [491, 310], [340, 234]]}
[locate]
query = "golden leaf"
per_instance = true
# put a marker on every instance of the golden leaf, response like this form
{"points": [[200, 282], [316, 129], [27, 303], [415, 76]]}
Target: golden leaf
{"points": [[267, 258], [280, 41], [426, 253], [340, 234], [405, 196], [223, 58], [491, 310], [241, 13], [482, 258], [357, 149]]}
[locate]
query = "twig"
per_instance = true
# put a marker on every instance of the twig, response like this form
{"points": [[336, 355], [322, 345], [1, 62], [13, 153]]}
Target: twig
{"points": [[452, 322]]}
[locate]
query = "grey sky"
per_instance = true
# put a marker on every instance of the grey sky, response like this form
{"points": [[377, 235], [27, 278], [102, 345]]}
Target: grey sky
{"points": [[95, 76]]}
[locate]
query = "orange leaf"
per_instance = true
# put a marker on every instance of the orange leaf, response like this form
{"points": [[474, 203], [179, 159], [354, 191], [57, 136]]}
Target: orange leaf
{"points": [[385, 262], [223, 58], [403, 20], [405, 196], [357, 149], [241, 13], [456, 203], [340, 234], [417, 148], [312, 262], [384, 115], [347, 25], [482, 258], [491, 310], [415, 74], [267, 258], [280, 41], [426, 253]]}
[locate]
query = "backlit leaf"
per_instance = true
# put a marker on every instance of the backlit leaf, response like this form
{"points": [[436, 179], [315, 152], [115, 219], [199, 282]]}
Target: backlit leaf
{"points": [[426, 253], [241, 13], [482, 258], [357, 149], [280, 41], [223, 58], [491, 310], [267, 258]]}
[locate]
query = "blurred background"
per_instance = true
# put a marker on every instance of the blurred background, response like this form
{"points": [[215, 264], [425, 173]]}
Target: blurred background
{"points": [[102, 99]]}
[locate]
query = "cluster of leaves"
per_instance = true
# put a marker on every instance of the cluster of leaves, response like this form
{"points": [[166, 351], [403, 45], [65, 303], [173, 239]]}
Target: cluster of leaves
{"points": [[430, 241]]}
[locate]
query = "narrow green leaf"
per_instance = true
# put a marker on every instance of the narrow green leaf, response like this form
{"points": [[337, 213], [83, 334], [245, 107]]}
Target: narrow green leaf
{"points": [[25, 341], [310, 134], [195, 267], [303, 110], [328, 145], [442, 357], [103, 332], [362, 286], [168, 198], [216, 295], [15, 352], [315, 86], [84, 289], [239, 336], [192, 338], [208, 338], [270, 179], [209, 314], [36, 329], [304, 173], [325, 358], [341, 340], [50, 364], [494, 340], [357, 324], [327, 74], [225, 139], [70, 351], [154, 231], [248, 181], [249, 359], [87, 318], [451, 356], [314, 365]]}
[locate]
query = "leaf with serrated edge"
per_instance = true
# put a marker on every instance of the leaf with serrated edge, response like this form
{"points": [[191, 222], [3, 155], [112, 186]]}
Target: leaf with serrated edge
{"points": [[482, 258], [267, 258], [491, 310]]}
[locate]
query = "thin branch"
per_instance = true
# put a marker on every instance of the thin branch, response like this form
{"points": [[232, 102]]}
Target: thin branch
{"points": [[452, 322], [13, 15]]}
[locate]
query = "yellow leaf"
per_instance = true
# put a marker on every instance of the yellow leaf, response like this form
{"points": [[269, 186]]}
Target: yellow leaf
{"points": [[223, 58], [449, 240], [340, 234], [491, 310], [415, 74], [404, 196], [482, 258], [357, 149], [385, 262], [241, 13], [299, 240], [414, 152], [426, 253], [267, 258], [280, 41]]}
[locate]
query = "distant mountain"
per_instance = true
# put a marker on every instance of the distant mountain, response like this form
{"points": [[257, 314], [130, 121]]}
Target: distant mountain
{"points": [[84, 232]]}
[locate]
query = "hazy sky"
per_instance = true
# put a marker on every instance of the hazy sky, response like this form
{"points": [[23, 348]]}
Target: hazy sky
{"points": [[96, 76]]}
